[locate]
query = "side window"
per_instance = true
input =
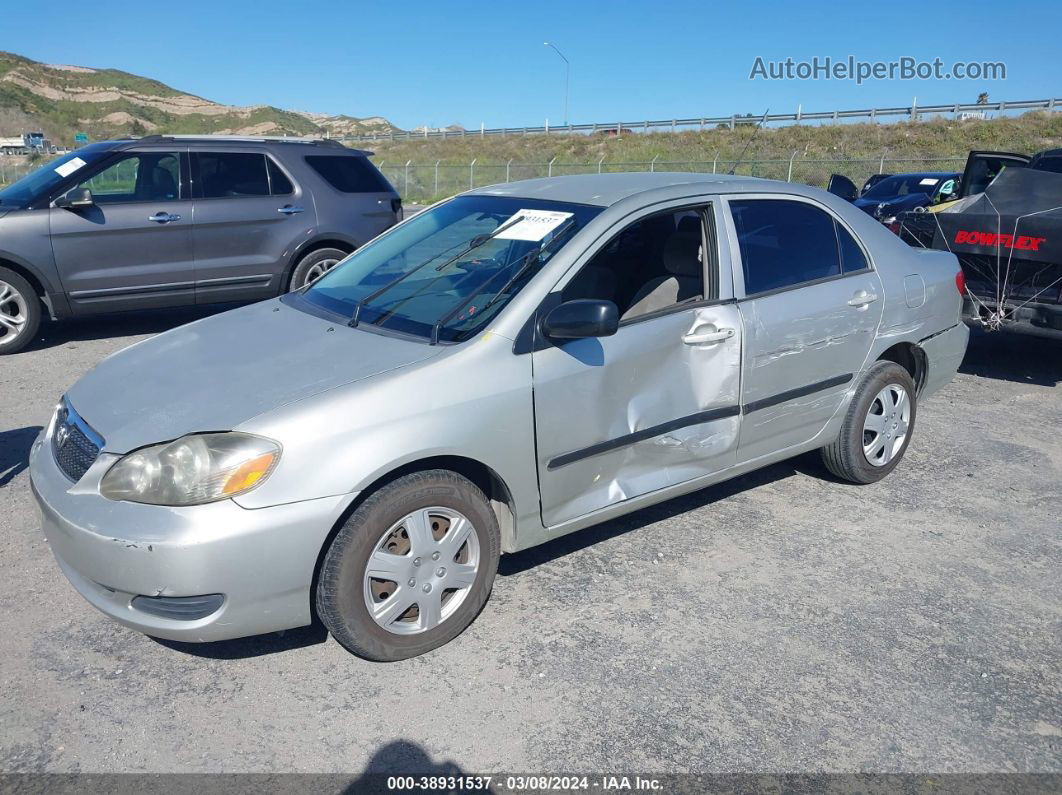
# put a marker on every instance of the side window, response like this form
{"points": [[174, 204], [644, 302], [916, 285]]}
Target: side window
{"points": [[279, 184], [231, 174], [140, 177], [784, 243], [349, 173], [653, 264], [852, 257]]}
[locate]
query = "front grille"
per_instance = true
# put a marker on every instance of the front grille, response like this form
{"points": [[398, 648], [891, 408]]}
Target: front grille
{"points": [[74, 449]]}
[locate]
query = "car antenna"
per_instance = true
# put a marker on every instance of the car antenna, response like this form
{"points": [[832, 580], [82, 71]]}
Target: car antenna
{"points": [[749, 141]]}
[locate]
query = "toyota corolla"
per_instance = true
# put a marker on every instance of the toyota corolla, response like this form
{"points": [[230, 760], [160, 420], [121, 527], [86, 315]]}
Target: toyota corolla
{"points": [[513, 364]]}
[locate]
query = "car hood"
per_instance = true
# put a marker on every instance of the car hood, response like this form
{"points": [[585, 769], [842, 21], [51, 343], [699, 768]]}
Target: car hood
{"points": [[216, 373]]}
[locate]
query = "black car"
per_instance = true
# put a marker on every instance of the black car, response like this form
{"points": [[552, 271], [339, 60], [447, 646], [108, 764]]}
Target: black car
{"points": [[889, 196]]}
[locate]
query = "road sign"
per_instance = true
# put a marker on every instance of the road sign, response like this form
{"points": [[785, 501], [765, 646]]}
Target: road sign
{"points": [[80, 138]]}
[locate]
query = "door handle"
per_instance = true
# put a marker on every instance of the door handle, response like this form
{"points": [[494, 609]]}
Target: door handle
{"points": [[862, 299], [163, 218], [287, 209], [708, 336]]}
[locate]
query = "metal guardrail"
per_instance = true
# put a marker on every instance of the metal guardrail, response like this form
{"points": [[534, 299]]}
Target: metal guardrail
{"points": [[913, 111]]}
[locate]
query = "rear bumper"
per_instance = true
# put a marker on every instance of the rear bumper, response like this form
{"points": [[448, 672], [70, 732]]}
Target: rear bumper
{"points": [[1032, 319], [944, 353], [262, 561]]}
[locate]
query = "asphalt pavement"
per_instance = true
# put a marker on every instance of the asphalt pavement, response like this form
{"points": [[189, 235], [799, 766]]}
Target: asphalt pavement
{"points": [[779, 622]]}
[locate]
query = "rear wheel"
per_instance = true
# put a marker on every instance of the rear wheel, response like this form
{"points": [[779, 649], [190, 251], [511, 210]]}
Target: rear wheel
{"points": [[411, 568], [315, 265], [20, 312], [877, 427]]}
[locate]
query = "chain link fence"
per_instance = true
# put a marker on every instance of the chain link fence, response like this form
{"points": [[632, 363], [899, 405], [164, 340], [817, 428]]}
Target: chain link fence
{"points": [[427, 182]]}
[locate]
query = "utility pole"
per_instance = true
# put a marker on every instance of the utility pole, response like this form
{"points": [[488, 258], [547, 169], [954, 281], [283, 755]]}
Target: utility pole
{"points": [[567, 76]]}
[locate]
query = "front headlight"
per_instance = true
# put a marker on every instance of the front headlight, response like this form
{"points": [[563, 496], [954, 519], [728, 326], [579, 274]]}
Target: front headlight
{"points": [[192, 470]]}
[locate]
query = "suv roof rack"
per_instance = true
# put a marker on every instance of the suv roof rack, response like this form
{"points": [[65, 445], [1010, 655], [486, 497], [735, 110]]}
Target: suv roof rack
{"points": [[283, 139]]}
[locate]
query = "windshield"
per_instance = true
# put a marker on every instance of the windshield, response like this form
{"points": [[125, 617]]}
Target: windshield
{"points": [[903, 184], [440, 275], [44, 179]]}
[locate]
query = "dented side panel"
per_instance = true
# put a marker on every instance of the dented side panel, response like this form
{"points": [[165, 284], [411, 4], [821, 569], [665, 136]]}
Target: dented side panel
{"points": [[619, 390]]}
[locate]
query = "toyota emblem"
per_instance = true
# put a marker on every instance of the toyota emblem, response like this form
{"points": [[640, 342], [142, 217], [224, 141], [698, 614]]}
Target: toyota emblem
{"points": [[62, 436]]}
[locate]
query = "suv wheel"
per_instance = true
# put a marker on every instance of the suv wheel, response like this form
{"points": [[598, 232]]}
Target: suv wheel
{"points": [[315, 265], [411, 568], [877, 428], [20, 312]]}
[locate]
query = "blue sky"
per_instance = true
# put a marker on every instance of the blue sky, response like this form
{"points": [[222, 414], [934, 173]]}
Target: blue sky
{"points": [[470, 62]]}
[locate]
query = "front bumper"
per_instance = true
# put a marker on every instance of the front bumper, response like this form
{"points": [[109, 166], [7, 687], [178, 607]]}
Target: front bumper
{"points": [[261, 560]]}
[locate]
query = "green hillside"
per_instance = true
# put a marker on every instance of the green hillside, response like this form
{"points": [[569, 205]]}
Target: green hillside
{"points": [[105, 103], [817, 151]]}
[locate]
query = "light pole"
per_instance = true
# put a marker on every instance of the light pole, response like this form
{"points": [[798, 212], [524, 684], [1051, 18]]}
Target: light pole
{"points": [[567, 75]]}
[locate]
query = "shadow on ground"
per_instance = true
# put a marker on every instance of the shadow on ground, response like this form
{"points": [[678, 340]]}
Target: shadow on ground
{"points": [[255, 646], [120, 324], [1014, 357], [14, 451]]}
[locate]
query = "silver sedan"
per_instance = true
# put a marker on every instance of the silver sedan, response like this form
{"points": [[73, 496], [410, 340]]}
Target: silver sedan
{"points": [[513, 364]]}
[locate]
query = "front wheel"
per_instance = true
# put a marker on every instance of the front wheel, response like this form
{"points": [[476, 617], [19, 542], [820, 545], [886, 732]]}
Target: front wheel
{"points": [[411, 568], [877, 428]]}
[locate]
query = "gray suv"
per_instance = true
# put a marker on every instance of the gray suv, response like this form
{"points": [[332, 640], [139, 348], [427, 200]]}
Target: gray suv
{"points": [[167, 221]]}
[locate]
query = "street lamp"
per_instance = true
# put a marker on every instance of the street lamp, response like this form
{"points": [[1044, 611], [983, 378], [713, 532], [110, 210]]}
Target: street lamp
{"points": [[567, 75]]}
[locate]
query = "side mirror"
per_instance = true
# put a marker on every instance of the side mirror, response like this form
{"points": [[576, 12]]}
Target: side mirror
{"points": [[73, 199], [581, 318], [840, 185]]}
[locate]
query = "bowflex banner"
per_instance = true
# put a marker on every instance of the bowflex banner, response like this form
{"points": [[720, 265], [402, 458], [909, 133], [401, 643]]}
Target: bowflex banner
{"points": [[1019, 217]]}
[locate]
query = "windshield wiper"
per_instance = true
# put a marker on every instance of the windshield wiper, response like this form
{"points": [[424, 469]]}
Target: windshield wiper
{"points": [[471, 245], [524, 263]]}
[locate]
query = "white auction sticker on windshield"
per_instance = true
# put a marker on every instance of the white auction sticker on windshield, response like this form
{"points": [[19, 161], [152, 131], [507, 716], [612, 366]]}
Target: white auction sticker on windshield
{"points": [[533, 225], [69, 167], [929, 181]]}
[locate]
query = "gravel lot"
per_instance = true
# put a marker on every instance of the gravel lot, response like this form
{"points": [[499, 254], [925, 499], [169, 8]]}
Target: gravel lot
{"points": [[780, 622]]}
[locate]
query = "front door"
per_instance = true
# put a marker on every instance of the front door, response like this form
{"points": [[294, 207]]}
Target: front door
{"points": [[657, 403], [810, 309], [249, 217], [132, 249]]}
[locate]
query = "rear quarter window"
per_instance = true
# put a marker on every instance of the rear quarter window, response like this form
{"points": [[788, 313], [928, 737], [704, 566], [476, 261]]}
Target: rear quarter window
{"points": [[349, 174]]}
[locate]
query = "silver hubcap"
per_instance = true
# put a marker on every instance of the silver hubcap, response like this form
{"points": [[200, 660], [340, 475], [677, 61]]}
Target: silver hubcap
{"points": [[885, 427], [318, 269], [14, 314], [421, 570]]}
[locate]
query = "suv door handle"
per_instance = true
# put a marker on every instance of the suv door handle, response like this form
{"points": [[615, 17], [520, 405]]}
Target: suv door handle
{"points": [[163, 218], [287, 209], [862, 299], [708, 336]]}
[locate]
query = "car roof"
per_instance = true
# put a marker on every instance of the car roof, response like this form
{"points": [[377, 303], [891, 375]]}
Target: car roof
{"points": [[604, 190], [926, 174]]}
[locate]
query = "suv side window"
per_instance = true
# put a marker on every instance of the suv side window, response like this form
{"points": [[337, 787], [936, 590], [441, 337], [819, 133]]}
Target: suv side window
{"points": [[348, 173], [137, 177], [279, 184], [231, 175], [652, 265], [785, 243]]}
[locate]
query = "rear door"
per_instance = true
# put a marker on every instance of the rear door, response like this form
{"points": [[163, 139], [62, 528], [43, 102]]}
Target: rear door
{"points": [[250, 215], [132, 249], [810, 306], [655, 404], [982, 168]]}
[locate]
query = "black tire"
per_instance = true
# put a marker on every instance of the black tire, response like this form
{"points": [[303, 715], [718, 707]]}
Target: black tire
{"points": [[341, 600], [845, 457], [23, 302], [309, 265]]}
